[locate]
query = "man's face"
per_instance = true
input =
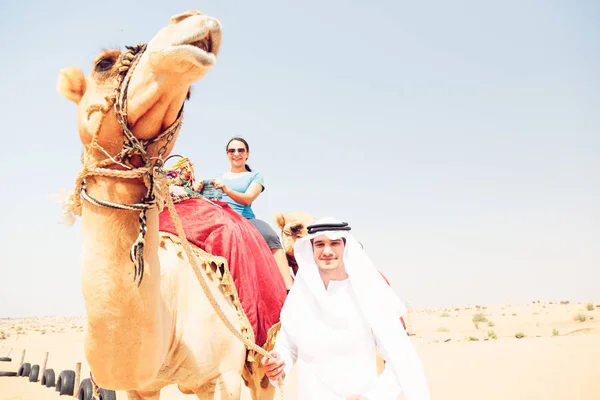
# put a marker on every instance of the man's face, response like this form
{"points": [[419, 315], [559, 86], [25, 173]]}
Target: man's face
{"points": [[328, 253]]}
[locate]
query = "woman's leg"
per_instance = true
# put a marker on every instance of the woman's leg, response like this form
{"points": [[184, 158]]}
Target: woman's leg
{"points": [[284, 267], [276, 248]]}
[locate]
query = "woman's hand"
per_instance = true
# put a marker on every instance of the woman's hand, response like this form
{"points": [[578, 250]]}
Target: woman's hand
{"points": [[197, 186], [219, 184]]}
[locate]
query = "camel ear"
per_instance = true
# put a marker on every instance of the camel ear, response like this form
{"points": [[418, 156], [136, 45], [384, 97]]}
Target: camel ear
{"points": [[280, 220], [71, 84]]}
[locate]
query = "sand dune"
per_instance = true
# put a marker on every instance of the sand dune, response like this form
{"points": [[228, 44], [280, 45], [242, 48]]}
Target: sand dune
{"points": [[556, 358]]}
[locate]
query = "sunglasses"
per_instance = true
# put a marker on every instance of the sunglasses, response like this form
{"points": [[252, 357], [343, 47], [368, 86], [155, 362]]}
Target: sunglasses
{"points": [[241, 151]]}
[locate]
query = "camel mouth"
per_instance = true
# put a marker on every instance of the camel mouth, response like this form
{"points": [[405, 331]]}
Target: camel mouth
{"points": [[203, 44], [202, 50]]}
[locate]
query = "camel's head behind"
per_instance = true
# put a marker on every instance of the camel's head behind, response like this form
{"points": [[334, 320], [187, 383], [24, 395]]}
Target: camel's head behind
{"points": [[293, 227], [155, 79]]}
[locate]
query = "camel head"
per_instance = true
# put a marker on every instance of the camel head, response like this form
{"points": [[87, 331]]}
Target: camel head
{"points": [[146, 86], [293, 227]]}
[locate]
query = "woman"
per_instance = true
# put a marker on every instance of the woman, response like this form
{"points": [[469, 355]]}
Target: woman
{"points": [[241, 186]]}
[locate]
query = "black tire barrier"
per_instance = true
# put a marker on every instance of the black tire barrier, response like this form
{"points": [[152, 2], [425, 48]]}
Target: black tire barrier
{"points": [[33, 375], [85, 390], [66, 383], [104, 394], [5, 373], [48, 378], [7, 359], [24, 370]]}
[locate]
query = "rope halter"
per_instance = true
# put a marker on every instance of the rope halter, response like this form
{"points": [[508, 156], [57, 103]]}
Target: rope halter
{"points": [[150, 171]]}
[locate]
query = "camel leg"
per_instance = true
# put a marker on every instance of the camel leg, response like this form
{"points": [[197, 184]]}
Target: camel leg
{"points": [[133, 395], [257, 382], [227, 386], [262, 390]]}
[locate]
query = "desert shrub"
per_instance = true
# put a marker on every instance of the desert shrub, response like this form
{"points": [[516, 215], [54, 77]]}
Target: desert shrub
{"points": [[555, 332], [478, 318], [473, 339], [491, 324], [492, 335], [445, 314], [579, 317], [443, 329], [589, 307], [519, 335]]}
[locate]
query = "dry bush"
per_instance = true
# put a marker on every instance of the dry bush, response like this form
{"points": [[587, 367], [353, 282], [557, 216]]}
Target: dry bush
{"points": [[579, 317], [478, 318]]}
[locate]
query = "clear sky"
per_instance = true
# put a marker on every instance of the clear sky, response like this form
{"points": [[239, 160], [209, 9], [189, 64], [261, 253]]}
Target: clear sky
{"points": [[461, 140]]}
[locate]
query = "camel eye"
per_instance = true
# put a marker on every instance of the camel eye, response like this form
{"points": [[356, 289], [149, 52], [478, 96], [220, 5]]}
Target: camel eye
{"points": [[104, 64], [295, 228]]}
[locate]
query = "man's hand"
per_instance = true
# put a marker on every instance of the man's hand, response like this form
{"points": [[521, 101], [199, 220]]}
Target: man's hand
{"points": [[273, 366]]}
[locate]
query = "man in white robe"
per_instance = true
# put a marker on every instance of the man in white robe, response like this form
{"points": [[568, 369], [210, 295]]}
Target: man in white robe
{"points": [[339, 311]]}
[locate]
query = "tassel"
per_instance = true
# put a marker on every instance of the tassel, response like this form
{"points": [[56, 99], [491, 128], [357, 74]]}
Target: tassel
{"points": [[137, 250]]}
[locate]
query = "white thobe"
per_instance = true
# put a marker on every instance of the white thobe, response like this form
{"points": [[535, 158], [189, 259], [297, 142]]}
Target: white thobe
{"points": [[337, 362]]}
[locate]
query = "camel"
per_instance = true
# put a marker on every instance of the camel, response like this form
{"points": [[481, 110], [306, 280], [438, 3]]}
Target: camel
{"points": [[293, 227], [160, 310]]}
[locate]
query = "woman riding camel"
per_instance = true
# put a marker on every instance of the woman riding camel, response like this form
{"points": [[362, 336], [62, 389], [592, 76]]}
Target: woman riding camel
{"points": [[241, 186]]}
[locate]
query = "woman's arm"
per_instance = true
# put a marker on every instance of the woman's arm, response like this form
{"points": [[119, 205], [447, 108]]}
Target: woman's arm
{"points": [[244, 199]]}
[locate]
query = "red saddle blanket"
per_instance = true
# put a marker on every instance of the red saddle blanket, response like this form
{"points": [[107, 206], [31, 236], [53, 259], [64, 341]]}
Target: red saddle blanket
{"points": [[220, 231]]}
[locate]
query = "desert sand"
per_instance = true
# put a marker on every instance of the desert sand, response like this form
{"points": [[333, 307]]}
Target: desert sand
{"points": [[557, 357]]}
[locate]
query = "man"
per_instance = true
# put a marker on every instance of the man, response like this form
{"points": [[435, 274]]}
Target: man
{"points": [[339, 311]]}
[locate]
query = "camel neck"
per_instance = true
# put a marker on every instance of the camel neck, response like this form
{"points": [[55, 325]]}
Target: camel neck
{"points": [[111, 233], [114, 301]]}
